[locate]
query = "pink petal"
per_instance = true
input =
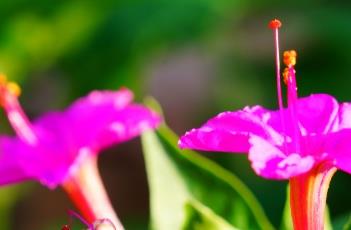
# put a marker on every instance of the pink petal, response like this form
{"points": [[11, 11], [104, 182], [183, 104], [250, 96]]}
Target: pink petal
{"points": [[118, 99], [229, 132], [338, 149], [270, 162], [317, 113], [101, 119], [345, 115], [10, 169], [114, 126]]}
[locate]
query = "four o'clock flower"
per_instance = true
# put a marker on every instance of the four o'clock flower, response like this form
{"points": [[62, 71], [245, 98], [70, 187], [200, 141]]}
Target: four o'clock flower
{"points": [[61, 148], [305, 142]]}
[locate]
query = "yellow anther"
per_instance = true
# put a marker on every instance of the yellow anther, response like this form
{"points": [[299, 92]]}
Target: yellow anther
{"points": [[289, 58], [14, 88], [8, 87]]}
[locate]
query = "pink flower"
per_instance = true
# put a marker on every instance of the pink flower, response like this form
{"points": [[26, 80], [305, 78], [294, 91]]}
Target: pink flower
{"points": [[55, 144], [61, 148], [303, 142], [276, 152]]}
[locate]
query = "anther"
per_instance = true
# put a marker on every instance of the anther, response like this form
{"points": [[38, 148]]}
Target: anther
{"points": [[289, 58], [14, 88], [274, 24], [9, 87]]}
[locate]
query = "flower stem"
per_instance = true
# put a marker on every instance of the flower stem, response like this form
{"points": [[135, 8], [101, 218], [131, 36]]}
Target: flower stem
{"points": [[86, 190], [308, 194]]}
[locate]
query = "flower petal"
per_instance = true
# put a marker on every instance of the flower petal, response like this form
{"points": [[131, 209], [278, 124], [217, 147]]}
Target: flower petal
{"points": [[338, 149], [10, 168], [270, 162], [229, 132], [118, 99], [317, 113], [113, 126], [101, 119], [345, 116]]}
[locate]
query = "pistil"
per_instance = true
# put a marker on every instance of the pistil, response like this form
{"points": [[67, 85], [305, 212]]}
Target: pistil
{"points": [[275, 25]]}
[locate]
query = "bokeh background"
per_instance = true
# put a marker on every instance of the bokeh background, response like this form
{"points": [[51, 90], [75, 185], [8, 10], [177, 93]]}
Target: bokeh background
{"points": [[196, 57]]}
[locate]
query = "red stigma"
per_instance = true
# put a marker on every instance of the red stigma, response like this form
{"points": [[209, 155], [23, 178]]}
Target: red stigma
{"points": [[274, 24]]}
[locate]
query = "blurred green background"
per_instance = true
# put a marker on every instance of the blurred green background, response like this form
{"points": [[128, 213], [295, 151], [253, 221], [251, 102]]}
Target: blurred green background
{"points": [[196, 57]]}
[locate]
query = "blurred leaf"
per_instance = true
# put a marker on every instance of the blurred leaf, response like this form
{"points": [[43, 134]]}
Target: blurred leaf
{"points": [[199, 217], [8, 197], [176, 176], [287, 220], [342, 222]]}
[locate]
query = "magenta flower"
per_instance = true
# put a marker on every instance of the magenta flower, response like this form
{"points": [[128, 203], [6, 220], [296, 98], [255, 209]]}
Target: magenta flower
{"points": [[303, 142], [61, 148], [260, 132], [54, 144]]}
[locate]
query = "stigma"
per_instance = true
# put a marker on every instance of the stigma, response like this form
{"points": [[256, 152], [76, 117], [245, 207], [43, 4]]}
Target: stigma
{"points": [[275, 24]]}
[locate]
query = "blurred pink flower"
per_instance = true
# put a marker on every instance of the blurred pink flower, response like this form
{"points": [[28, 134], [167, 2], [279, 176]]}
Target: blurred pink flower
{"points": [[56, 144], [61, 148]]}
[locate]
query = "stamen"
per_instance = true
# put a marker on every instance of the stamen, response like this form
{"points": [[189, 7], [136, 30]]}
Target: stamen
{"points": [[9, 92], [290, 81], [289, 75]]}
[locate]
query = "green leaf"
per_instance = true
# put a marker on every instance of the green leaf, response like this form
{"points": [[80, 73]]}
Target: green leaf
{"points": [[177, 176], [199, 217]]}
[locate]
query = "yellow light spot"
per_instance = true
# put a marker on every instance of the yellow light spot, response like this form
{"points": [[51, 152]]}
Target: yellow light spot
{"points": [[289, 58]]}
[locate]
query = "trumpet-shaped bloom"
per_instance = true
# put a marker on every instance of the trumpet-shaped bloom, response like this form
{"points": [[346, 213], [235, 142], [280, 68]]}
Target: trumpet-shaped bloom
{"points": [[305, 142], [271, 144], [52, 147], [287, 142]]}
